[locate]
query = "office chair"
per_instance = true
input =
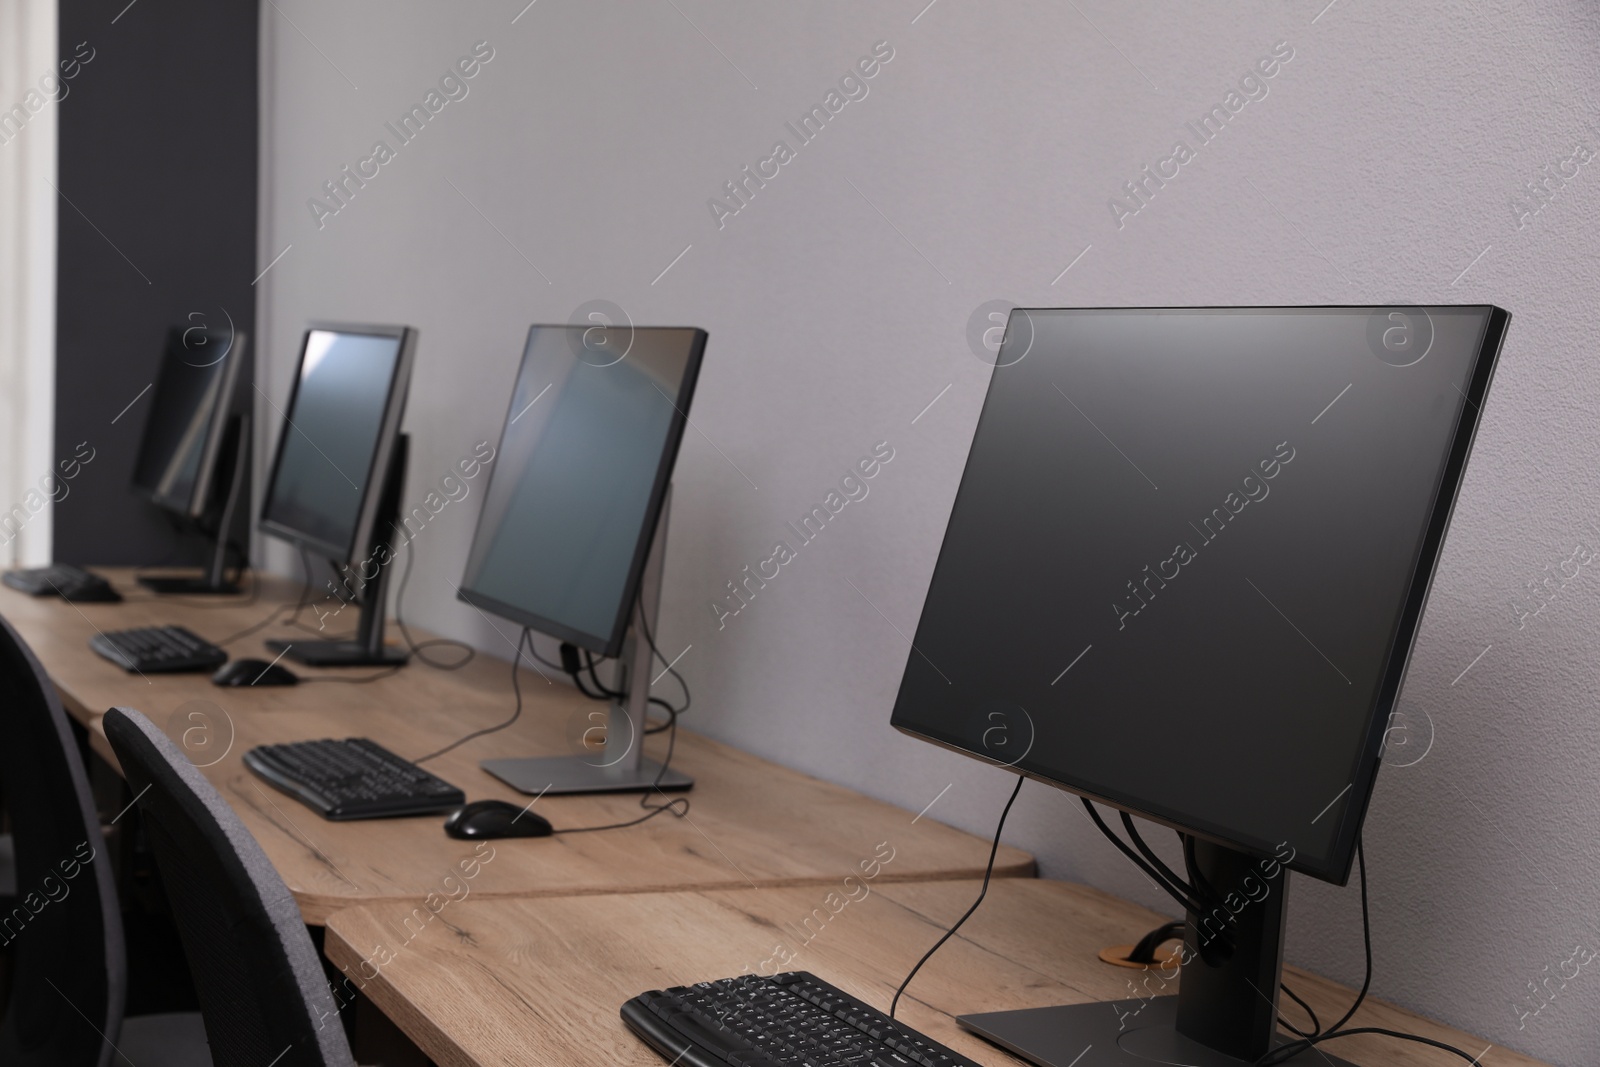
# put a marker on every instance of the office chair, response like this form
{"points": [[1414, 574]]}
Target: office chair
{"points": [[63, 927], [262, 989]]}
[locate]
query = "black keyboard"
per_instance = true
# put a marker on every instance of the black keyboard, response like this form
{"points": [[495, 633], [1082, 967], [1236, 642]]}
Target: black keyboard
{"points": [[794, 1018], [352, 779], [69, 582], [153, 649]]}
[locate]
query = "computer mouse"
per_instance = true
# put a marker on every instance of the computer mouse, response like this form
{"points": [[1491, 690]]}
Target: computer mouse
{"points": [[92, 589], [253, 672], [485, 819]]}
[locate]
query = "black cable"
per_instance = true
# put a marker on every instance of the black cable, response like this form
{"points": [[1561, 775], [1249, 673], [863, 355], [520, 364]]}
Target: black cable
{"points": [[601, 687], [1316, 1024], [672, 718], [1336, 1031], [572, 666], [994, 850], [671, 726], [576, 662], [416, 648], [1196, 889], [1176, 894], [1198, 885], [534, 652], [516, 687], [321, 628], [672, 712], [1366, 939], [651, 810], [305, 595], [607, 693], [650, 639], [1170, 876], [1305, 1043], [604, 693], [305, 586]]}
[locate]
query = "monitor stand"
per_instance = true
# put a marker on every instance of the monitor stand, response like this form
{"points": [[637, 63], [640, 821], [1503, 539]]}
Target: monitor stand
{"points": [[621, 766], [1225, 1012], [367, 649], [214, 581]]}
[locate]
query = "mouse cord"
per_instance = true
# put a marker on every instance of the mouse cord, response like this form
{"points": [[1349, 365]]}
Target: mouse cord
{"points": [[994, 850], [679, 806], [516, 686]]}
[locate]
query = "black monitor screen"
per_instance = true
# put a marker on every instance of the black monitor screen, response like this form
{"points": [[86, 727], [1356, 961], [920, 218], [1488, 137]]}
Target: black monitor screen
{"points": [[576, 486], [330, 438], [1186, 559], [180, 435]]}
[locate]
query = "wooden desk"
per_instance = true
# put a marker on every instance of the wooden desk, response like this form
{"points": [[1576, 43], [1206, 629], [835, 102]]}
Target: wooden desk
{"points": [[514, 982], [752, 822]]}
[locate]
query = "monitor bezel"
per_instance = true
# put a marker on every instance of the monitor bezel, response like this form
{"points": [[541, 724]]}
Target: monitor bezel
{"points": [[608, 645], [200, 496], [1337, 868], [388, 434]]}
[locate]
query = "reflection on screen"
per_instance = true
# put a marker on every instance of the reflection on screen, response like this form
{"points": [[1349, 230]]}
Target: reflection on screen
{"points": [[330, 437], [181, 417], [569, 498], [1176, 564]]}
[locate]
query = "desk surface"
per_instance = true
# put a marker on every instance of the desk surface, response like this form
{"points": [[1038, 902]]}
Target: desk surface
{"points": [[751, 823], [509, 982]]}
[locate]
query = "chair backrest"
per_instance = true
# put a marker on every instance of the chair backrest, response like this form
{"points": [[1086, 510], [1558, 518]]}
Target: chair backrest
{"points": [[261, 985], [63, 928]]}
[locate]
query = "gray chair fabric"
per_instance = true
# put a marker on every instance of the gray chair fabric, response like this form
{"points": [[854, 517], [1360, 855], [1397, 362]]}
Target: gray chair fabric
{"points": [[63, 928], [261, 985], [62, 925], [176, 1039]]}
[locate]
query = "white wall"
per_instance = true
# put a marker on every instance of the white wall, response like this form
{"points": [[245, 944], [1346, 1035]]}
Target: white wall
{"points": [[30, 91], [1380, 166]]}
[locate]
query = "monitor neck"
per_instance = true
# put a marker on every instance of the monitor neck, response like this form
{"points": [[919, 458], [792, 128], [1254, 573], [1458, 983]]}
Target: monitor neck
{"points": [[1228, 995], [367, 581], [1226, 1009], [620, 766], [626, 722], [235, 509], [380, 553]]}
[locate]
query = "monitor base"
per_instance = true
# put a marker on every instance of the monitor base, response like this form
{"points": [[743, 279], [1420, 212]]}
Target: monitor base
{"points": [[1123, 1033], [576, 774], [201, 586], [338, 654]]}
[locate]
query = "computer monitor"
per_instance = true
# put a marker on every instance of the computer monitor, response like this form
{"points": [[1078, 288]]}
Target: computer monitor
{"points": [[334, 484], [572, 530], [194, 458], [1181, 577]]}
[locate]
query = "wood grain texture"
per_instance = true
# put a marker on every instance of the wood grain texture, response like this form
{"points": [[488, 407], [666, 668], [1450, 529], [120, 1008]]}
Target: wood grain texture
{"points": [[511, 983], [752, 822]]}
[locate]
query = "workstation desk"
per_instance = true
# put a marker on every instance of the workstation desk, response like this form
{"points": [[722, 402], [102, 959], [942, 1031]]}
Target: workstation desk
{"points": [[522, 951], [751, 822], [514, 983]]}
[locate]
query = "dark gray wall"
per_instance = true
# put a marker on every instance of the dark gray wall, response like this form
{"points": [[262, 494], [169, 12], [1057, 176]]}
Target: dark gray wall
{"points": [[157, 223]]}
